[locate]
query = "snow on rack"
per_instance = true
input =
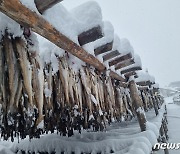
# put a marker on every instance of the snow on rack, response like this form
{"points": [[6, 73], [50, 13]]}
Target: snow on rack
{"points": [[144, 76]]}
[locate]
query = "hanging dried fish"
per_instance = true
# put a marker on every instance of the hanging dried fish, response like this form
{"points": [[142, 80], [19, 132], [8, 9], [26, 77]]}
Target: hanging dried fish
{"points": [[26, 69], [64, 77], [38, 86], [13, 72], [1, 73]]}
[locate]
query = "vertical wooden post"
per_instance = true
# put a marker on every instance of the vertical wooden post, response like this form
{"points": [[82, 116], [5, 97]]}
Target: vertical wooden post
{"points": [[154, 103], [164, 140], [137, 104]]}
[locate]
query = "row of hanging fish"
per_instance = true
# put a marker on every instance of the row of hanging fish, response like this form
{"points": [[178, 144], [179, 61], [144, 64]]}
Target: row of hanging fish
{"points": [[35, 100], [21, 88]]}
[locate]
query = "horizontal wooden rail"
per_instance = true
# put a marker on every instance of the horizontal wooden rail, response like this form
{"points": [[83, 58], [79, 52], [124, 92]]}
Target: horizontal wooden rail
{"points": [[124, 64], [131, 69], [120, 59], [111, 55]]}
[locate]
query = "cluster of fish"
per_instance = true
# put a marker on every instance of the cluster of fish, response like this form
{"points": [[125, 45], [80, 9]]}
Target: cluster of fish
{"points": [[35, 100], [21, 89]]}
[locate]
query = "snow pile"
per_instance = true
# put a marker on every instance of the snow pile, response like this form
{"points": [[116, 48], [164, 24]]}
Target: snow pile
{"points": [[63, 21], [126, 47], [144, 76], [156, 85], [87, 15], [116, 43], [10, 25], [80, 19]]}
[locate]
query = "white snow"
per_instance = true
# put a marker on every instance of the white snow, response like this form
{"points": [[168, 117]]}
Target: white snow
{"points": [[126, 47], [47, 91], [10, 25], [122, 138], [64, 22], [145, 76], [93, 99], [30, 4], [87, 15], [116, 43]]}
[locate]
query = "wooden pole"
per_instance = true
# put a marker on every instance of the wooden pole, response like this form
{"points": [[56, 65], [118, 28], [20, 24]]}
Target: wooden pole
{"points": [[120, 59], [154, 103], [131, 69], [28, 18], [90, 35], [137, 104], [111, 55], [43, 5], [124, 64], [104, 48]]}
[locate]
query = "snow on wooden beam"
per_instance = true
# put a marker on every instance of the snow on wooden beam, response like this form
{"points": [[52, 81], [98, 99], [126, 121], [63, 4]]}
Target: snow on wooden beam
{"points": [[114, 75], [120, 59], [111, 55], [43, 5], [124, 64], [90, 35], [28, 18], [136, 68], [104, 48]]}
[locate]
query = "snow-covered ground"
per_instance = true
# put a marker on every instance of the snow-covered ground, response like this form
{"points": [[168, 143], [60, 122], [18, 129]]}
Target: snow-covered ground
{"points": [[120, 138], [173, 123]]}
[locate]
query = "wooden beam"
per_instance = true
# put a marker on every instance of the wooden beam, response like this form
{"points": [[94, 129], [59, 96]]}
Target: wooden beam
{"points": [[136, 68], [124, 64], [120, 59], [28, 18], [143, 83], [104, 48], [111, 55], [43, 5], [143, 88], [90, 35], [127, 75], [114, 75]]}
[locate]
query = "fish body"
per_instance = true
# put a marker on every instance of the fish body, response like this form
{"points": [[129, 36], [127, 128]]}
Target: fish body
{"points": [[26, 69]]}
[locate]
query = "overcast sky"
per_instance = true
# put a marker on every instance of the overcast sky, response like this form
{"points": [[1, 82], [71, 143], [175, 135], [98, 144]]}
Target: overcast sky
{"points": [[153, 28]]}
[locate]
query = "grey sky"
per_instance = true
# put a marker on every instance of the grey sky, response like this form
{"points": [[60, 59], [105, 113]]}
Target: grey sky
{"points": [[153, 28]]}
